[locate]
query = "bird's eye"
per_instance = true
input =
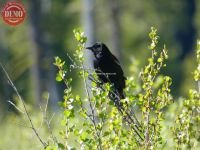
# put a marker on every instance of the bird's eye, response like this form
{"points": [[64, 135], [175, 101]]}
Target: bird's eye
{"points": [[98, 47]]}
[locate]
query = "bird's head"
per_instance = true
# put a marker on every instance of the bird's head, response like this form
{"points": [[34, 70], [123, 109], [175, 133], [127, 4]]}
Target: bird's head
{"points": [[99, 49]]}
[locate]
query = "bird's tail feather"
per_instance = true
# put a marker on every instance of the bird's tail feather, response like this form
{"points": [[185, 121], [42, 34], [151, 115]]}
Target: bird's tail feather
{"points": [[128, 116]]}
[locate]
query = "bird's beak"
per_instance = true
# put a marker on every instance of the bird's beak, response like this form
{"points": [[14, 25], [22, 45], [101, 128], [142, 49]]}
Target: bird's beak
{"points": [[90, 48]]}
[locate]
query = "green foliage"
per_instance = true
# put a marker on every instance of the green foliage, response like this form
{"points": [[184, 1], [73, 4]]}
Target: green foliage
{"points": [[186, 128], [17, 134], [197, 71], [94, 122], [154, 100]]}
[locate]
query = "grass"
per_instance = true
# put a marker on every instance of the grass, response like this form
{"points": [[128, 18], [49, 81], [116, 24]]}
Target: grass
{"points": [[17, 135]]}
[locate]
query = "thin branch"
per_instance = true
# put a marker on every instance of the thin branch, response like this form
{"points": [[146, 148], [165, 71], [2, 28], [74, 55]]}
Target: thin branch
{"points": [[48, 121], [16, 107], [137, 128], [92, 110], [24, 106], [127, 116]]}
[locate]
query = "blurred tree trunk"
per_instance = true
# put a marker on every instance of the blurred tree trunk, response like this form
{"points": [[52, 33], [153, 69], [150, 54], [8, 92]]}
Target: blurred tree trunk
{"points": [[187, 35], [4, 95], [36, 49], [89, 27], [5, 91], [42, 71], [115, 28]]}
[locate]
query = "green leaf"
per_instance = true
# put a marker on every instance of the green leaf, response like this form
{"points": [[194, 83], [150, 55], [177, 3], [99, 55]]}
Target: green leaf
{"points": [[58, 78], [67, 113], [84, 135], [51, 148], [60, 145], [160, 60]]}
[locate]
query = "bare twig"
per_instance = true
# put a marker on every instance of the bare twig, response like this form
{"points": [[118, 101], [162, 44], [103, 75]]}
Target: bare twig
{"points": [[16, 107], [92, 111], [48, 121], [147, 127], [133, 122], [24, 106]]}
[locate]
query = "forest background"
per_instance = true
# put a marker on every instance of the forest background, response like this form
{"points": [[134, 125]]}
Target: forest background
{"points": [[27, 51]]}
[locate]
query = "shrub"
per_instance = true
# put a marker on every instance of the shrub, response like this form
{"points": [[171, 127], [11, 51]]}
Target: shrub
{"points": [[94, 122]]}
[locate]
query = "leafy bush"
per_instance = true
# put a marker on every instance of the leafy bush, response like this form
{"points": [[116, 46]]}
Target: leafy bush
{"points": [[187, 124], [94, 122]]}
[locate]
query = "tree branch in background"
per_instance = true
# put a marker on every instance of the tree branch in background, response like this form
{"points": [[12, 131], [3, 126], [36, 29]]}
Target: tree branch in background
{"points": [[24, 106]]}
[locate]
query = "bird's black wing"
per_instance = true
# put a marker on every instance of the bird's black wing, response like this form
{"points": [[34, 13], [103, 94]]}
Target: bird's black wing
{"points": [[99, 72], [115, 58], [118, 63]]}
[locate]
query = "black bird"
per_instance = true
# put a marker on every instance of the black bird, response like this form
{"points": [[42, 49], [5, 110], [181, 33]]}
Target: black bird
{"points": [[108, 68]]}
